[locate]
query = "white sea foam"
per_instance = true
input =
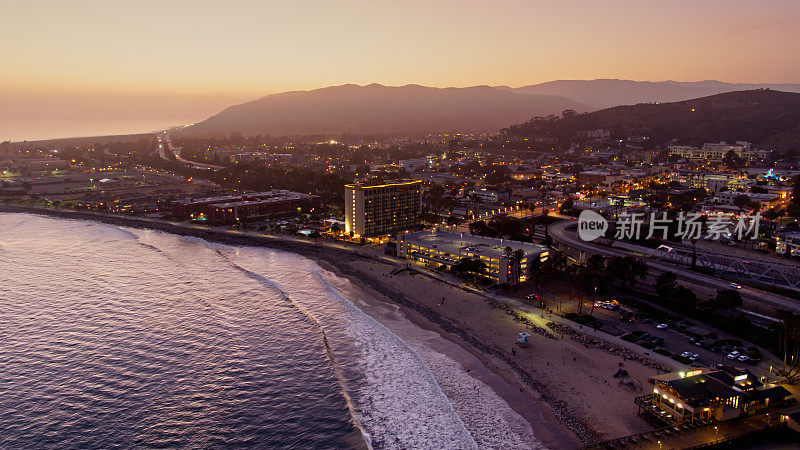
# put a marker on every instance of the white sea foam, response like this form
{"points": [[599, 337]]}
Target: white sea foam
{"points": [[488, 417], [403, 404], [400, 405]]}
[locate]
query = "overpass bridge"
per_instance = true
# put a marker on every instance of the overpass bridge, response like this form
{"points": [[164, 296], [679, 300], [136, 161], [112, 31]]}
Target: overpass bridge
{"points": [[785, 275], [762, 272]]}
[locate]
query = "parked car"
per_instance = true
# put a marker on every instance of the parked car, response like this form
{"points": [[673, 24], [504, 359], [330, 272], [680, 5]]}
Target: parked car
{"points": [[694, 357], [661, 326], [733, 355], [686, 354], [609, 306], [743, 358]]}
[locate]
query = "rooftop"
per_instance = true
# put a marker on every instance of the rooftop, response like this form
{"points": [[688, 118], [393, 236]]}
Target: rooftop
{"points": [[229, 200], [699, 389], [271, 199], [705, 385], [455, 243], [381, 185]]}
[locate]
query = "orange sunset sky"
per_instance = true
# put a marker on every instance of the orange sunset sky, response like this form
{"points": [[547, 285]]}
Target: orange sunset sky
{"points": [[102, 67]]}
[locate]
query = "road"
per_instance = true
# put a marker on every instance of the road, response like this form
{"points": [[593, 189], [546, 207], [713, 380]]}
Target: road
{"points": [[162, 153], [560, 234], [165, 145]]}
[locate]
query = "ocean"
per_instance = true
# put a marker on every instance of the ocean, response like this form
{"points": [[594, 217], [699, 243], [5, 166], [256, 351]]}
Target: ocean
{"points": [[118, 338]]}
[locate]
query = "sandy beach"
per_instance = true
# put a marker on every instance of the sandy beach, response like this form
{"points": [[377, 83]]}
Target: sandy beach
{"points": [[573, 391], [495, 412]]}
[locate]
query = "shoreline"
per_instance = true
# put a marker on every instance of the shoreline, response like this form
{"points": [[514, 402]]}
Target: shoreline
{"points": [[557, 423], [546, 427], [424, 317]]}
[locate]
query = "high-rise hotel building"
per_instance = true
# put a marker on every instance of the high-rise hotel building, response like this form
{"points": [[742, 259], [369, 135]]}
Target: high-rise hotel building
{"points": [[382, 209]]}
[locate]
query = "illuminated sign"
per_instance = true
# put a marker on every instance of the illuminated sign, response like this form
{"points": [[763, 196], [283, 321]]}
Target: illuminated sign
{"points": [[740, 377], [692, 373]]}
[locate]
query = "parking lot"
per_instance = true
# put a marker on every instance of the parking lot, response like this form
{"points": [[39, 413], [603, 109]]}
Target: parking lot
{"points": [[677, 337]]}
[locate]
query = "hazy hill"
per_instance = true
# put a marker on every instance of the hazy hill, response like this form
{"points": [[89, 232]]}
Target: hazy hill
{"points": [[605, 93], [383, 110], [766, 117]]}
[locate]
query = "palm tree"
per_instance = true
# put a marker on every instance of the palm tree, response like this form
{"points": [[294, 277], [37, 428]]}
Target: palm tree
{"points": [[475, 201], [790, 324], [508, 252], [580, 277], [557, 261]]}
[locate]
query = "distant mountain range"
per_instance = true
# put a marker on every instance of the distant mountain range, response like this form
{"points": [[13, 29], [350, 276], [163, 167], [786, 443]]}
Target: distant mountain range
{"points": [[765, 117], [413, 110], [605, 93], [383, 110]]}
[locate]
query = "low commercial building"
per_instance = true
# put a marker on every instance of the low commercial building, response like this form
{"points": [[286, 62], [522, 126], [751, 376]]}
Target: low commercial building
{"points": [[766, 200], [591, 178], [282, 201], [717, 394], [442, 248], [230, 208], [382, 209], [716, 182], [488, 195], [412, 165], [717, 151]]}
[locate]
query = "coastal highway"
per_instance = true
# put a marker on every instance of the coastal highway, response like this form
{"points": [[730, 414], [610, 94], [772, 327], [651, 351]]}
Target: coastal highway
{"points": [[559, 233], [176, 153]]}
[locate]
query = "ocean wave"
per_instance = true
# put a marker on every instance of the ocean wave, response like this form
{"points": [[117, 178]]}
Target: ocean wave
{"points": [[86, 230], [413, 397], [277, 287], [487, 416], [490, 419], [111, 345], [402, 391], [400, 404]]}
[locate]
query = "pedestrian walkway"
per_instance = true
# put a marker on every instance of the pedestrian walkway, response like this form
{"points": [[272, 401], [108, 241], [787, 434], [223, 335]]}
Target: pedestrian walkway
{"points": [[691, 437]]}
